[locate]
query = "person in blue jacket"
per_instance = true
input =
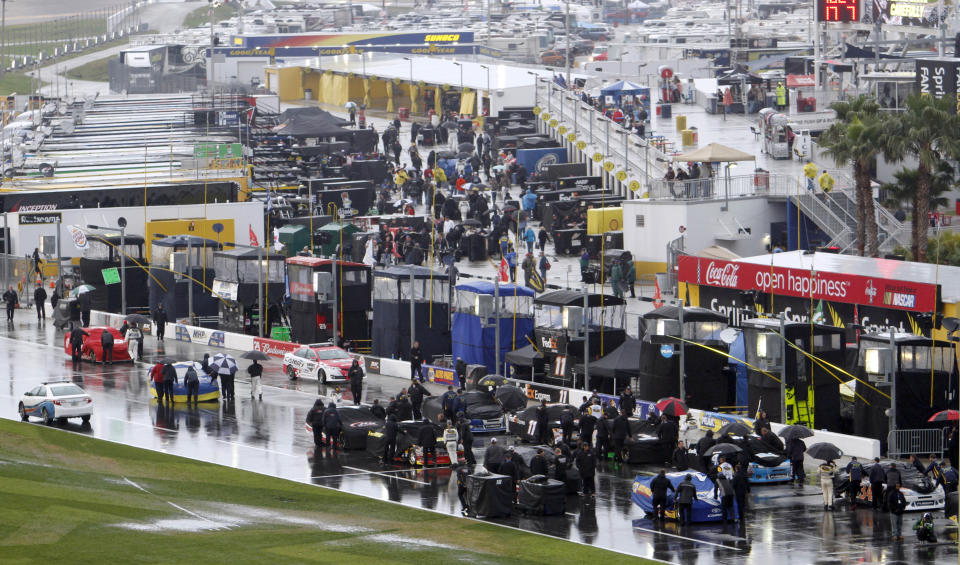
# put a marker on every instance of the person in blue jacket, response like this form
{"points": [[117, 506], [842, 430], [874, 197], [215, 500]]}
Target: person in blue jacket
{"points": [[512, 263], [531, 238], [529, 201]]}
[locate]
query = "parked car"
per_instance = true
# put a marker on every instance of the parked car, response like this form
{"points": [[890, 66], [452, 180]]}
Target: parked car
{"points": [[93, 349]]}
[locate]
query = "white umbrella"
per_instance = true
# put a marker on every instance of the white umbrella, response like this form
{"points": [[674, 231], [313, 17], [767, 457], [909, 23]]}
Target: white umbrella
{"points": [[224, 364]]}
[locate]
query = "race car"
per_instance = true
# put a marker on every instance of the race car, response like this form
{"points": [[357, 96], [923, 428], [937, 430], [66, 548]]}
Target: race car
{"points": [[485, 413], [208, 391], [643, 445], [524, 422], [92, 348], [767, 465], [921, 492], [705, 508], [356, 421], [56, 401], [322, 361], [408, 450]]}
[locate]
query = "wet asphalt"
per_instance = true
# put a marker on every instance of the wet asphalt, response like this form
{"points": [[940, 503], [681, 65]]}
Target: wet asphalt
{"points": [[786, 524]]}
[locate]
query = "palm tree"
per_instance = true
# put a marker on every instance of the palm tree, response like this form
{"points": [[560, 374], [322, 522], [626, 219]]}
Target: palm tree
{"points": [[943, 180], [927, 131], [854, 139]]}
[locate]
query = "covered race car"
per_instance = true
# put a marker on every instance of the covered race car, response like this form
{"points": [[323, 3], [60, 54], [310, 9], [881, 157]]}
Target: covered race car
{"points": [[705, 507], [485, 413], [524, 423], [407, 438], [209, 390], [921, 492], [322, 361], [766, 464], [356, 421], [93, 349], [643, 445]]}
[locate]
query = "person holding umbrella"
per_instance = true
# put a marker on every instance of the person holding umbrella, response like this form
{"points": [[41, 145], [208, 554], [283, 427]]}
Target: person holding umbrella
{"points": [[134, 337], [255, 370], [828, 470], [355, 374], [226, 369]]}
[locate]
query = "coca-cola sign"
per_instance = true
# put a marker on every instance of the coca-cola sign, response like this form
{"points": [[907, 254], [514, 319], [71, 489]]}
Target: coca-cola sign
{"points": [[722, 275], [809, 283]]}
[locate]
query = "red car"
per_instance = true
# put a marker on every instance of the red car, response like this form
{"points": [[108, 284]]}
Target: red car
{"points": [[321, 361], [92, 349]]}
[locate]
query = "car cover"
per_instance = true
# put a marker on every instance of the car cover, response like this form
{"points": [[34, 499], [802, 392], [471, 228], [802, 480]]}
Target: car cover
{"points": [[523, 423], [356, 421], [540, 495], [643, 446], [511, 398], [704, 509], [489, 496]]}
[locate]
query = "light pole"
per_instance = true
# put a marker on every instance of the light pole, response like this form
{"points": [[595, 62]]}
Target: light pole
{"points": [[211, 11], [411, 68], [3, 37], [489, 94], [569, 53], [461, 76], [536, 86]]}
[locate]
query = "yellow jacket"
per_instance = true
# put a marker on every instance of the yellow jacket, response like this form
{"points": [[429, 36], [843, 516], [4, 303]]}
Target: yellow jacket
{"points": [[826, 182], [439, 175], [810, 170]]}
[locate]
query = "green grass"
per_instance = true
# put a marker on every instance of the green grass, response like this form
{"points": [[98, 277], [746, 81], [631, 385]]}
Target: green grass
{"points": [[16, 82], [66, 499], [201, 16], [98, 70]]}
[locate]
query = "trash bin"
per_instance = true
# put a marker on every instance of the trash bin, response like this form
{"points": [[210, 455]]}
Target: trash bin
{"points": [[281, 333], [687, 137], [696, 135], [666, 111], [404, 113], [681, 121], [308, 94], [761, 179]]}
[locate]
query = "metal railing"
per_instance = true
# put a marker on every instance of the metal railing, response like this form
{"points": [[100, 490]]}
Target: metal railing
{"points": [[814, 206], [674, 250], [914, 442], [720, 187]]}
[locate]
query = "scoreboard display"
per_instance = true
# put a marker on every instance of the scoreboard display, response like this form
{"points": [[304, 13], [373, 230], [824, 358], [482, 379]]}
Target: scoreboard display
{"points": [[838, 11]]}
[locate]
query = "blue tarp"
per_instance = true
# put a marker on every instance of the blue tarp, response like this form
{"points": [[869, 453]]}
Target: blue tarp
{"points": [[739, 350], [705, 508], [536, 159], [476, 344]]}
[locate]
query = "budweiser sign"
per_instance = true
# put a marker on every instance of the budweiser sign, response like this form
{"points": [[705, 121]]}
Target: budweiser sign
{"points": [[722, 275], [274, 348]]}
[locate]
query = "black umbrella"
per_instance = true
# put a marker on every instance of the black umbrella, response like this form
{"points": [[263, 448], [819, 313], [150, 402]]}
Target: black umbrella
{"points": [[468, 147], [824, 451], [255, 355], [792, 432], [446, 154], [722, 449], [511, 398], [137, 319], [464, 155], [735, 429], [492, 380]]}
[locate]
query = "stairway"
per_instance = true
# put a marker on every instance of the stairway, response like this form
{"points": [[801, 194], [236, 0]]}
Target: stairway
{"points": [[836, 214]]}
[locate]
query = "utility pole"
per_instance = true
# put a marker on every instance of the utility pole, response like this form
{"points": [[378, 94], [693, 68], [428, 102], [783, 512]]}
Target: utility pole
{"points": [[496, 331], [586, 338], [3, 37], [210, 70], [569, 52]]}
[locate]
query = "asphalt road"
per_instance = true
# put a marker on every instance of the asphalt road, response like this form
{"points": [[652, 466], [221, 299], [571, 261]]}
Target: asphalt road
{"points": [[787, 525]]}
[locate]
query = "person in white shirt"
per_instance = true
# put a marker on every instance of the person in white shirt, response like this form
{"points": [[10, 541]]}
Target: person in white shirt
{"points": [[133, 336], [450, 439]]}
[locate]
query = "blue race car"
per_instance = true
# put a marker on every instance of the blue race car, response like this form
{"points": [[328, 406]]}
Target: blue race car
{"points": [[705, 507]]}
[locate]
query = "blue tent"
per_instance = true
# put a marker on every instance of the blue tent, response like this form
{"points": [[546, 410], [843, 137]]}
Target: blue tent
{"points": [[474, 342], [626, 88], [705, 508]]}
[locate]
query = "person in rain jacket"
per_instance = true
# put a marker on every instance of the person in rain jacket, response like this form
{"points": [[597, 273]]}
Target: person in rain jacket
{"points": [[226, 380], [584, 264], [332, 425], [169, 379], [450, 439], [685, 495], [315, 419], [356, 381], [255, 370], [427, 439], [781, 96], [106, 343], [192, 382], [530, 237], [156, 375], [616, 278], [826, 182]]}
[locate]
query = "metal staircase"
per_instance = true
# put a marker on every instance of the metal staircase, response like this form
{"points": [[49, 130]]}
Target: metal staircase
{"points": [[836, 214]]}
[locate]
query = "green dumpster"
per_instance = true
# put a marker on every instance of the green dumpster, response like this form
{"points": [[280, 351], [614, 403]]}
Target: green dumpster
{"points": [[328, 238], [294, 238]]}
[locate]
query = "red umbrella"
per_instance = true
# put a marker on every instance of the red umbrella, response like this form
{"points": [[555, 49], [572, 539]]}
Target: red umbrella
{"points": [[945, 416], [671, 406]]}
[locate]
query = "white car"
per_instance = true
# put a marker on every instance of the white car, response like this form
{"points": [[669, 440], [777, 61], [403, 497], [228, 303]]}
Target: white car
{"points": [[321, 361], [56, 401]]}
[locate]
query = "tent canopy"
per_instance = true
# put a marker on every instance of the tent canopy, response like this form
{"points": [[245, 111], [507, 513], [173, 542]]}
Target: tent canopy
{"points": [[310, 122], [622, 362], [525, 356], [715, 153], [486, 287], [739, 77], [623, 87]]}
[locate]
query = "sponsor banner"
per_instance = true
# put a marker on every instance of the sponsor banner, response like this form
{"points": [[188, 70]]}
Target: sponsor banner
{"points": [[939, 77], [371, 364], [586, 183], [34, 219], [202, 336], [273, 347], [440, 375], [225, 290], [350, 40], [914, 13], [815, 285], [535, 160], [77, 236]]}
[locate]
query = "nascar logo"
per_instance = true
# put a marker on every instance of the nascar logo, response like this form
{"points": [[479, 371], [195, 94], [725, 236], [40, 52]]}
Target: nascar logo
{"points": [[899, 299]]}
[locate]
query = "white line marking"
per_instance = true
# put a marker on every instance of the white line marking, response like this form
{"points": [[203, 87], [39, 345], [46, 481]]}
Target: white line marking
{"points": [[257, 448], [688, 539], [194, 514], [142, 424], [136, 486], [385, 475]]}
